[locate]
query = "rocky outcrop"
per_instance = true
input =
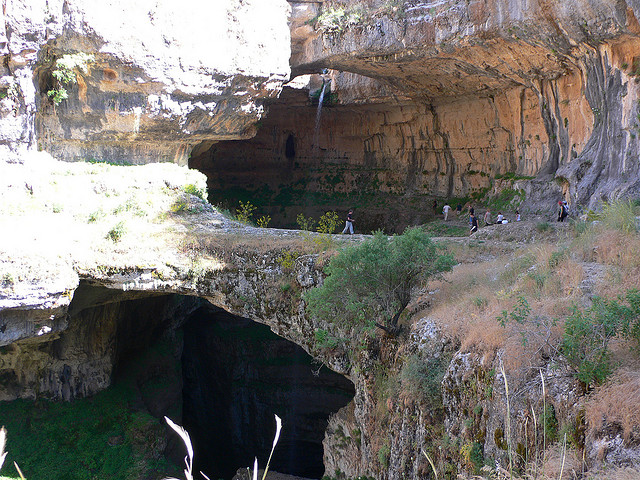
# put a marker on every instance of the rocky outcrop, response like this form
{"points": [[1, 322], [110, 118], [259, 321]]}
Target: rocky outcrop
{"points": [[109, 245], [573, 65], [159, 80]]}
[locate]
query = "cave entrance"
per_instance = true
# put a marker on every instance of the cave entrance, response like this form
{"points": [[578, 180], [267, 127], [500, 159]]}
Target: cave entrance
{"points": [[130, 358], [356, 161], [237, 374]]}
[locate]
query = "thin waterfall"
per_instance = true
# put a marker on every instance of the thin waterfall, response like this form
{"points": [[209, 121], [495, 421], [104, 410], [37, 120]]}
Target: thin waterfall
{"points": [[318, 115]]}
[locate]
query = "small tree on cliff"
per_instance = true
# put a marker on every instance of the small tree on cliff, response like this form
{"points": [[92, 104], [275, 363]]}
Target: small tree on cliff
{"points": [[373, 282]]}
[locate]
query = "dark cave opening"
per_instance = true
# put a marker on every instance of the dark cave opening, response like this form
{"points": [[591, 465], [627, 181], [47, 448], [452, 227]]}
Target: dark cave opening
{"points": [[237, 374], [146, 355]]}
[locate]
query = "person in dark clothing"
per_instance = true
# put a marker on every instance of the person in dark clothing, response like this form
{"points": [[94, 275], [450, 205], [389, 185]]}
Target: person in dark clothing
{"points": [[435, 207], [459, 209], [474, 223], [349, 223], [562, 212]]}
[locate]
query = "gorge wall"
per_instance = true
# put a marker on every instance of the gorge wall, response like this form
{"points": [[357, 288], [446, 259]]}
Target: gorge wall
{"points": [[442, 100], [159, 80]]}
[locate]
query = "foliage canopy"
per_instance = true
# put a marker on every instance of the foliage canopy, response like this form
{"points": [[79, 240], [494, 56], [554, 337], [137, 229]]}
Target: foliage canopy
{"points": [[373, 282]]}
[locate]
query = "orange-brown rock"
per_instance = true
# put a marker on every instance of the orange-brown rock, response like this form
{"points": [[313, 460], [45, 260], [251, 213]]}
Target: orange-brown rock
{"points": [[437, 99]]}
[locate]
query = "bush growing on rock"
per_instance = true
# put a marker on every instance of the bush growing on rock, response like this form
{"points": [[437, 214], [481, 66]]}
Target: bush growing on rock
{"points": [[587, 332], [373, 282]]}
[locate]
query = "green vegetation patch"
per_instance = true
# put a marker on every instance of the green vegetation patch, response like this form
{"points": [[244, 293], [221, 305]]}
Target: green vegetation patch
{"points": [[65, 71], [444, 229], [372, 283], [97, 437], [587, 332]]}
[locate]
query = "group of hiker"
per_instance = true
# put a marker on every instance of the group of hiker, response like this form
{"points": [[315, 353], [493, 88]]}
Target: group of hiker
{"points": [[563, 212], [473, 220]]}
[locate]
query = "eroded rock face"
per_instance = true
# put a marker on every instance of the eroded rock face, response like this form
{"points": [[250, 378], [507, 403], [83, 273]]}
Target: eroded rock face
{"points": [[571, 63], [78, 358], [161, 78], [390, 159], [441, 100]]}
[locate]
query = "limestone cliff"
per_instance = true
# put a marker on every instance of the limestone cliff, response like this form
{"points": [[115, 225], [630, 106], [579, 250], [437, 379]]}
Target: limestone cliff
{"points": [[444, 99], [161, 78], [556, 79]]}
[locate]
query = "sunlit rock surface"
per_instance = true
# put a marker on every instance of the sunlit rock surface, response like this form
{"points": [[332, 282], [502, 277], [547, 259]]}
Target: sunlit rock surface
{"points": [[163, 77]]}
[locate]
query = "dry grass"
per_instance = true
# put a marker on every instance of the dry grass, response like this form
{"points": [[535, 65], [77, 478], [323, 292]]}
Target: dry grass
{"points": [[618, 249], [615, 473], [558, 460], [474, 295], [616, 403]]}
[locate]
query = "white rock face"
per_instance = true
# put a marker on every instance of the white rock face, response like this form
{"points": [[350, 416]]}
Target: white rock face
{"points": [[164, 77]]}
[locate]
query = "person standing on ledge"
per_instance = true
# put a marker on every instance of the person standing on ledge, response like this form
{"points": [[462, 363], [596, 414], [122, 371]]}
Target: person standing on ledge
{"points": [[487, 217], [349, 223], [445, 211], [474, 223], [562, 211]]}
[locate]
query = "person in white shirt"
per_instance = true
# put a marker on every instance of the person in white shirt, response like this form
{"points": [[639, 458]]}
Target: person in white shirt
{"points": [[445, 211], [500, 218]]}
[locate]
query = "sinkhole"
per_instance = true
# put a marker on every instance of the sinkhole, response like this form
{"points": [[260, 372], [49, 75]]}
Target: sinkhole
{"points": [[131, 358], [237, 374]]}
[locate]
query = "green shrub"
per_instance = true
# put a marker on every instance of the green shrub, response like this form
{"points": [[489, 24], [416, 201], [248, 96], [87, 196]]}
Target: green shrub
{"points": [[64, 73], [547, 419], [287, 260], [543, 226], [383, 455], [620, 215], [585, 342], [480, 302], [326, 227], [373, 282], [337, 18], [305, 223], [556, 258], [183, 205], [473, 455], [422, 379], [587, 332], [244, 212], [328, 223], [192, 189], [263, 222], [326, 341], [7, 280], [116, 233]]}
